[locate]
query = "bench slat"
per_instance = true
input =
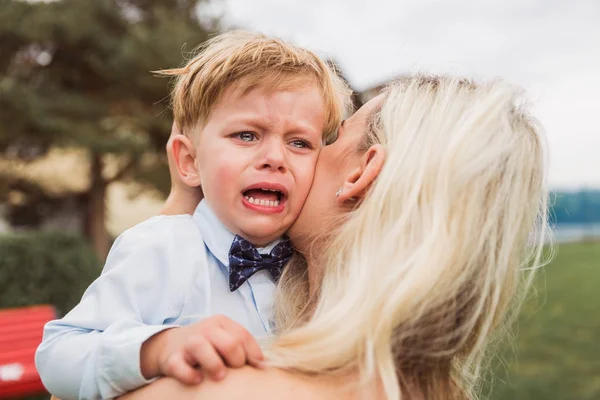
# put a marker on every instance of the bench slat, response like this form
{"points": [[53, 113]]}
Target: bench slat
{"points": [[21, 332]]}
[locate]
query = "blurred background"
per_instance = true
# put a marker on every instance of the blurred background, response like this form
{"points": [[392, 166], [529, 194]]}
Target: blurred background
{"points": [[83, 124]]}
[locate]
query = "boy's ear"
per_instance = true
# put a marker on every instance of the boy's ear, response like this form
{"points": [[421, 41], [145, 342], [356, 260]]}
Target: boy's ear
{"points": [[184, 154], [360, 180]]}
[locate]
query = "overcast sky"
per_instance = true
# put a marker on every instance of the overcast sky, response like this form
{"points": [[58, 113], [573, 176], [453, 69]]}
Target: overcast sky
{"points": [[551, 47]]}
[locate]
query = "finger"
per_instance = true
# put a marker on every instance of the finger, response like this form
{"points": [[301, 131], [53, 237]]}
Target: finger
{"points": [[178, 367], [252, 350], [229, 346], [254, 353], [210, 362]]}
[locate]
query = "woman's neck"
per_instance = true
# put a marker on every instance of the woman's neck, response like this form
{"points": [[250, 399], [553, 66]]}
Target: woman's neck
{"points": [[314, 251], [314, 267]]}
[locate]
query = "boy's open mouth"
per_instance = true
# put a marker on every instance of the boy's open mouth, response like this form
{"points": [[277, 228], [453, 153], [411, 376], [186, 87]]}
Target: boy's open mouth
{"points": [[265, 196]]}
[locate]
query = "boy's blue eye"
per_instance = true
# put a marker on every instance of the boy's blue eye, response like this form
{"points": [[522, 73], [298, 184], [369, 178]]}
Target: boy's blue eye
{"points": [[246, 136], [301, 144]]}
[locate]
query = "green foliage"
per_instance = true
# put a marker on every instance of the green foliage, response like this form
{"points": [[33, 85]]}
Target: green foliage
{"points": [[45, 268], [557, 347], [78, 73]]}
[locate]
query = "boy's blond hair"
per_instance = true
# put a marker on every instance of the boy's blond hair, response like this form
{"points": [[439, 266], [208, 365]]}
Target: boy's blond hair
{"points": [[251, 60]]}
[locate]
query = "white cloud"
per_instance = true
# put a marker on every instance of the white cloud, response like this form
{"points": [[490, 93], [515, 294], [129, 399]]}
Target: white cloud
{"points": [[551, 47]]}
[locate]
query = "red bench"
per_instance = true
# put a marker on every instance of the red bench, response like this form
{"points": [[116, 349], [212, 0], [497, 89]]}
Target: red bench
{"points": [[20, 334]]}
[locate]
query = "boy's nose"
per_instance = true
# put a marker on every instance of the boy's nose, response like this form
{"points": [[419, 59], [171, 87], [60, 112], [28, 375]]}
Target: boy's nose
{"points": [[273, 156]]}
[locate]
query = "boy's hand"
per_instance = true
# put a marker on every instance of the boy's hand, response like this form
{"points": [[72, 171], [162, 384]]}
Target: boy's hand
{"points": [[209, 346]]}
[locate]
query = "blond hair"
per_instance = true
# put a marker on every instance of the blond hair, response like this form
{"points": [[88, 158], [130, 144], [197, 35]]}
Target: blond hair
{"points": [[253, 61], [434, 260]]}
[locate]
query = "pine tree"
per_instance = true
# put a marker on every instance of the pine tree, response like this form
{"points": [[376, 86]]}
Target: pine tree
{"points": [[77, 74]]}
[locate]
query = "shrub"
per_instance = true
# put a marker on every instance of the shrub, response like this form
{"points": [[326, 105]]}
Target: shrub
{"points": [[45, 268]]}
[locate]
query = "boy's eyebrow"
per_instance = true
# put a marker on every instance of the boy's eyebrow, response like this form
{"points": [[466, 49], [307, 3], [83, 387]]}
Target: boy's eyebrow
{"points": [[258, 123]]}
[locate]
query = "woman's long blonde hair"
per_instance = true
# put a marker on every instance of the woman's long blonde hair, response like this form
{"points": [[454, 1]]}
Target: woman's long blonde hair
{"points": [[435, 259]]}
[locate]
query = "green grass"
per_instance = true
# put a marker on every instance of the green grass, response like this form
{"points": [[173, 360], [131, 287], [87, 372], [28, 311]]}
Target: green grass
{"points": [[558, 335]]}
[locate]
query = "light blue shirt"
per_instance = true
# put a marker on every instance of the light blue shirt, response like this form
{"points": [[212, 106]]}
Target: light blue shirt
{"points": [[166, 271]]}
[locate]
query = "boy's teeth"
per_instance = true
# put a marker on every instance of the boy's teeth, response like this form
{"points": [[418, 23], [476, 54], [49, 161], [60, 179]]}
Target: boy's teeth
{"points": [[264, 203]]}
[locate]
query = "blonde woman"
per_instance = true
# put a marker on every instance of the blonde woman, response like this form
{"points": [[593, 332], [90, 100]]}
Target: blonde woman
{"points": [[423, 226]]}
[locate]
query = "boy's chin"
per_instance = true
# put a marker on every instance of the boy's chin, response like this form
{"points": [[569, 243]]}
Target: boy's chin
{"points": [[261, 235]]}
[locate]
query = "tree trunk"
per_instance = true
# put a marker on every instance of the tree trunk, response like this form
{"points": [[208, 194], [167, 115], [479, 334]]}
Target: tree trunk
{"points": [[96, 208]]}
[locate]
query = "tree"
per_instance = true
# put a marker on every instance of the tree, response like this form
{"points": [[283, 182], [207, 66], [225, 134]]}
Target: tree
{"points": [[77, 74]]}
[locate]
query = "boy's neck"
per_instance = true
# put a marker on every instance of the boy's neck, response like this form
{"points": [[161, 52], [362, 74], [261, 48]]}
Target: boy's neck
{"points": [[258, 243]]}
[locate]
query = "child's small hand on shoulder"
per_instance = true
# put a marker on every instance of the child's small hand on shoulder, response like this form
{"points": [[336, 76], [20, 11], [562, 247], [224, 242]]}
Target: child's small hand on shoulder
{"points": [[206, 347]]}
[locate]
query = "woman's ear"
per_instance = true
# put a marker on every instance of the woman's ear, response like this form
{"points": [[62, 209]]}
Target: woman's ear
{"points": [[184, 155], [360, 179]]}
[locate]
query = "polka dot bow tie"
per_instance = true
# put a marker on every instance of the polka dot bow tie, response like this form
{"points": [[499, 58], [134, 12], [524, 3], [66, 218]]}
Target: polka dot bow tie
{"points": [[245, 261]]}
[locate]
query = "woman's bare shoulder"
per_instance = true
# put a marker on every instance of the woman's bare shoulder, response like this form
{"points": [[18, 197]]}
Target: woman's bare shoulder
{"points": [[243, 383]]}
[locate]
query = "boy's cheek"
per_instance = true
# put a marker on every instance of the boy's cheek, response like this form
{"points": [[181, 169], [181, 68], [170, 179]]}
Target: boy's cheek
{"points": [[305, 168], [304, 182]]}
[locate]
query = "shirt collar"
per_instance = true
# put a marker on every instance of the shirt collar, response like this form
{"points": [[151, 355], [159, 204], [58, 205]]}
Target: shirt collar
{"points": [[216, 236]]}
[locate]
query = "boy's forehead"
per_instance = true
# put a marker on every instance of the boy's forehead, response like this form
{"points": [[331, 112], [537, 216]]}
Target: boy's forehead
{"points": [[300, 109], [239, 95], [266, 87], [306, 98]]}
